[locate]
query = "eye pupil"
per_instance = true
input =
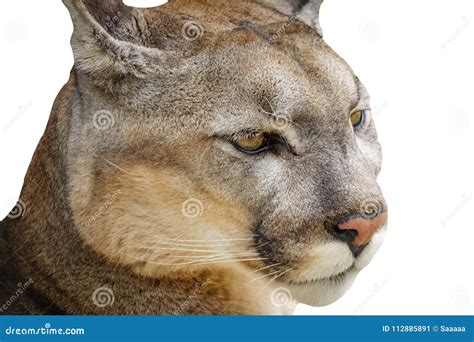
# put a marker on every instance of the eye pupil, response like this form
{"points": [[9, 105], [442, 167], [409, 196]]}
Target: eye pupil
{"points": [[358, 118], [251, 144]]}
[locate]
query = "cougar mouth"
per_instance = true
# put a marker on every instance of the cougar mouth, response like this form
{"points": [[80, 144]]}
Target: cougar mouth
{"points": [[325, 290], [333, 278]]}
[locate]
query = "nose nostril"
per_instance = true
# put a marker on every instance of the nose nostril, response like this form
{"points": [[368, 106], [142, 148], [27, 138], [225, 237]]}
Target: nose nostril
{"points": [[364, 228], [345, 235]]}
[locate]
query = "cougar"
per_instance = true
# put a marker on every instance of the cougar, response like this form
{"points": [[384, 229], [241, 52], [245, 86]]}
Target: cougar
{"points": [[206, 157]]}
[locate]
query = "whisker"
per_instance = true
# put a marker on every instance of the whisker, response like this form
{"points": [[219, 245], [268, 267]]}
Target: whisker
{"points": [[209, 240], [281, 274], [159, 264], [236, 260], [198, 262], [148, 214], [225, 257], [189, 245], [119, 168], [177, 249], [189, 249], [216, 255], [264, 268], [272, 280], [270, 104], [273, 113], [262, 245], [263, 276]]}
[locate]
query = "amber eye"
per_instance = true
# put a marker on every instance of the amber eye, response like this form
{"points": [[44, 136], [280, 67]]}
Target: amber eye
{"points": [[252, 143], [358, 118]]}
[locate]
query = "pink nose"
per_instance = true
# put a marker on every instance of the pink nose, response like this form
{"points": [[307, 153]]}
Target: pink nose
{"points": [[365, 228]]}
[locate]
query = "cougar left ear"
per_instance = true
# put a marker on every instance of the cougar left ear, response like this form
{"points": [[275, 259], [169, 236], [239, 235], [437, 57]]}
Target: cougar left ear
{"points": [[107, 42], [306, 11]]}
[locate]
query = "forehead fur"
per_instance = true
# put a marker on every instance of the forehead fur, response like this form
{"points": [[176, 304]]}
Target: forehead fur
{"points": [[216, 16]]}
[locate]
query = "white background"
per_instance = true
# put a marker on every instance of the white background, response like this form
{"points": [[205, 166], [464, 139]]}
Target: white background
{"points": [[415, 57]]}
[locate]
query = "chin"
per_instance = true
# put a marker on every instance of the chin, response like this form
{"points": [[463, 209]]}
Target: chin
{"points": [[325, 290]]}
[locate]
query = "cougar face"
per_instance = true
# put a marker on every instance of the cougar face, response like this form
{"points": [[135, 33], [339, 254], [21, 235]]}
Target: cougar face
{"points": [[214, 135]]}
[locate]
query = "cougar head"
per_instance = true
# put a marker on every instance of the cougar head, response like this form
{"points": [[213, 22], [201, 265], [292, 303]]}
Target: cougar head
{"points": [[214, 134]]}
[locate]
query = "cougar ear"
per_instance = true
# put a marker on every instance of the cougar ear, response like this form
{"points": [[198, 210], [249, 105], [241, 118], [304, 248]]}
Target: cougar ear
{"points": [[306, 11], [107, 41]]}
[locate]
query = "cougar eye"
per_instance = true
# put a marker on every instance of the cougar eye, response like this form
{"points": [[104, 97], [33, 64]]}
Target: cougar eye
{"points": [[250, 142], [358, 118]]}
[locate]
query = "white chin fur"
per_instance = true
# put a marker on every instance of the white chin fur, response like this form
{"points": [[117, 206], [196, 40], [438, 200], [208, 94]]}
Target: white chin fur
{"points": [[322, 292], [327, 260], [326, 291]]}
